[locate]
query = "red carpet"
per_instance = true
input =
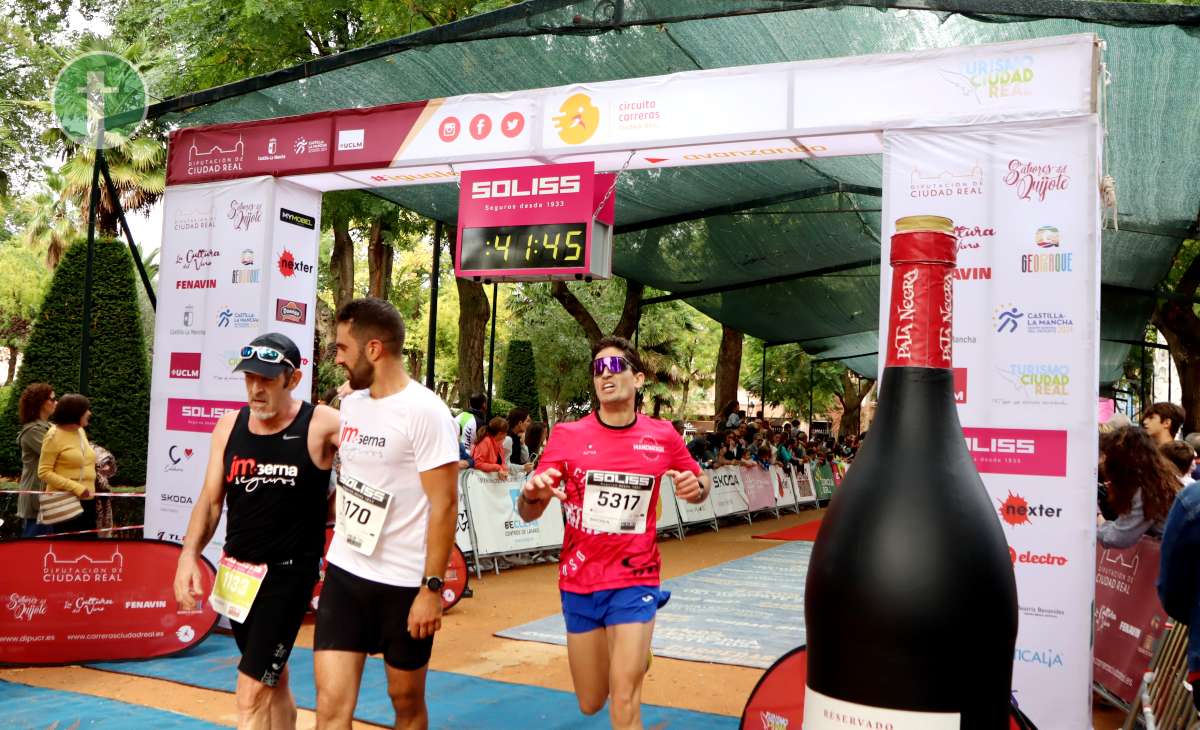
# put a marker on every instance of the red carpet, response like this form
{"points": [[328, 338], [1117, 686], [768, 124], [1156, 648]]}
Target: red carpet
{"points": [[807, 531]]}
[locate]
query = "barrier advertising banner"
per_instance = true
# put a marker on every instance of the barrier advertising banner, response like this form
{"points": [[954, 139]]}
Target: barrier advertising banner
{"points": [[703, 513], [1024, 199], [803, 481], [759, 487], [72, 601], [497, 526], [668, 506], [1129, 617], [784, 487], [728, 496], [238, 259], [821, 476]]}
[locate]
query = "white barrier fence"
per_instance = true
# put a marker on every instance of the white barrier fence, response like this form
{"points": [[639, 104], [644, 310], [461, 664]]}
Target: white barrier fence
{"points": [[490, 527]]}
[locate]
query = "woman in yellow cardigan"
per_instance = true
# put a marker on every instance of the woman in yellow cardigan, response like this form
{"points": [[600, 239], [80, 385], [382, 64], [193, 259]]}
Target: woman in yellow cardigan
{"points": [[68, 463]]}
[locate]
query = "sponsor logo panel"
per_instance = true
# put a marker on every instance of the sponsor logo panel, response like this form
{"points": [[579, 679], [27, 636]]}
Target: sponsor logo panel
{"points": [[947, 183], [1035, 180], [290, 310], [197, 415], [185, 365], [303, 220], [1023, 451]]}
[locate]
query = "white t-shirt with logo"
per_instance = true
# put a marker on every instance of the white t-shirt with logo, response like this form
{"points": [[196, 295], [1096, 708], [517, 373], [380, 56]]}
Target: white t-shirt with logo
{"points": [[385, 444]]}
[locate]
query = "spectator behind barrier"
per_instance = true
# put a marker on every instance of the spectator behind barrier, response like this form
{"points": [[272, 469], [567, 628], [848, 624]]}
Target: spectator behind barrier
{"points": [[1163, 421], [1193, 440], [68, 463], [1182, 457], [489, 448], [36, 404], [515, 453], [535, 438], [1179, 574], [1141, 487]]}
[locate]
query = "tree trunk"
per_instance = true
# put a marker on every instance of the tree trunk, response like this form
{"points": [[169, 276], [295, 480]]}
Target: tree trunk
{"points": [[1181, 329], [683, 401], [13, 353], [630, 312], [379, 262], [851, 398], [474, 312], [729, 368], [341, 264]]}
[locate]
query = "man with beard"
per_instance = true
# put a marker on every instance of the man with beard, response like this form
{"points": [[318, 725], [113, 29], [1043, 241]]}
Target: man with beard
{"points": [[269, 462], [397, 507], [607, 470]]}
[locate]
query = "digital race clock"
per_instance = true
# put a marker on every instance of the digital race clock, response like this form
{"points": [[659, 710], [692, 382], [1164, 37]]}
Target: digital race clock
{"points": [[535, 224]]}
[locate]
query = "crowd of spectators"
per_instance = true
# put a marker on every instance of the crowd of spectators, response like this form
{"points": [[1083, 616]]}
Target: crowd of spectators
{"points": [[741, 441]]}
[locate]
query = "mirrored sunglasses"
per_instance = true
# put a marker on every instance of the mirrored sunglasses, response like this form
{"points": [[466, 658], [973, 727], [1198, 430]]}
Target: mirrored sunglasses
{"points": [[266, 354], [613, 363]]}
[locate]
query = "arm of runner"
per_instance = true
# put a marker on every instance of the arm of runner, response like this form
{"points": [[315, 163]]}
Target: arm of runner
{"points": [[441, 489], [205, 516], [323, 435], [689, 486], [536, 494]]}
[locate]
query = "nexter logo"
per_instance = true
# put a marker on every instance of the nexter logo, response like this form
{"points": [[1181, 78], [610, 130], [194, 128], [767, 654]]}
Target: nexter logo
{"points": [[553, 185]]}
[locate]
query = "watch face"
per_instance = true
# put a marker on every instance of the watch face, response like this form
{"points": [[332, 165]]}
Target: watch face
{"points": [[434, 584]]}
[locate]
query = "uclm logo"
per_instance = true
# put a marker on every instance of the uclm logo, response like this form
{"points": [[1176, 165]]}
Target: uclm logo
{"points": [[185, 365], [551, 185], [1025, 451]]}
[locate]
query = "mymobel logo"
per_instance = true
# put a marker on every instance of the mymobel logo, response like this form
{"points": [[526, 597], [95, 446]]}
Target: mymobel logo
{"points": [[297, 219], [1026, 451], [289, 265], [99, 100], [553, 185], [578, 119], [185, 365]]}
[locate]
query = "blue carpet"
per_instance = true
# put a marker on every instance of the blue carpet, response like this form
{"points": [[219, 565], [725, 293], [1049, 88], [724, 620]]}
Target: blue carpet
{"points": [[748, 612], [25, 708], [455, 701]]}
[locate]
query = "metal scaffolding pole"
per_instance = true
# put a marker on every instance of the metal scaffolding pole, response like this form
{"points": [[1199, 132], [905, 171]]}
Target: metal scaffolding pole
{"points": [[435, 274]]}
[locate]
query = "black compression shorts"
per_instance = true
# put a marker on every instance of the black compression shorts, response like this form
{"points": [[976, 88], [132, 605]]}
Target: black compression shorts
{"points": [[360, 615], [266, 637]]}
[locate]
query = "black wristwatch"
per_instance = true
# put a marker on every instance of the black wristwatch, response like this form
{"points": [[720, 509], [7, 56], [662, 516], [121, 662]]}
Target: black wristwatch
{"points": [[434, 583]]}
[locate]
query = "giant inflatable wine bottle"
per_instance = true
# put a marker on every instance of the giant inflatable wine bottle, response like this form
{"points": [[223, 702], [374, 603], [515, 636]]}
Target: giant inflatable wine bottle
{"points": [[911, 603]]}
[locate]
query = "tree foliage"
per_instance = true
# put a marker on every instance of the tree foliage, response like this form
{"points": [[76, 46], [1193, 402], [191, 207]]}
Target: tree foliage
{"points": [[119, 375], [518, 384]]}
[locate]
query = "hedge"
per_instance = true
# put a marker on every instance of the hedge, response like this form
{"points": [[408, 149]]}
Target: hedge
{"points": [[518, 384], [119, 374]]}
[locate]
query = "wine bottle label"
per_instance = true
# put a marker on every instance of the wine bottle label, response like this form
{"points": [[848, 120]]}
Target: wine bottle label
{"points": [[826, 713], [922, 316]]}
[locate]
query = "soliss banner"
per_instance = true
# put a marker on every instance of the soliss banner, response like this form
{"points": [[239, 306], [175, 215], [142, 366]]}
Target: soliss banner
{"points": [[72, 601], [1024, 200], [497, 526], [238, 259]]}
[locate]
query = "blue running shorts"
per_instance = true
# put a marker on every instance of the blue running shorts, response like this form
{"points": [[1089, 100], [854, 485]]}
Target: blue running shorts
{"points": [[634, 605]]}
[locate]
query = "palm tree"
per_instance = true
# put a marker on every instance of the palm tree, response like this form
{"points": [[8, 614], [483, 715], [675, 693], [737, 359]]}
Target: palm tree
{"points": [[53, 220]]}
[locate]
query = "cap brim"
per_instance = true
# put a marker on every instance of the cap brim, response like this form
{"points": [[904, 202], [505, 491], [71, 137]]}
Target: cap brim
{"points": [[258, 367]]}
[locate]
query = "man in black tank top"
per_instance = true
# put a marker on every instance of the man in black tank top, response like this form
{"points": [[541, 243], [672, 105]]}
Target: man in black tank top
{"points": [[269, 463]]}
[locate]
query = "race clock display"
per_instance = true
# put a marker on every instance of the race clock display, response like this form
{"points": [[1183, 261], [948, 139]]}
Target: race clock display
{"points": [[546, 246]]}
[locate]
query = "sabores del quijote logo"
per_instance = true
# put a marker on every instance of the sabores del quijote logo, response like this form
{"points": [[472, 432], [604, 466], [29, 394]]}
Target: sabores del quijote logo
{"points": [[1034, 180]]}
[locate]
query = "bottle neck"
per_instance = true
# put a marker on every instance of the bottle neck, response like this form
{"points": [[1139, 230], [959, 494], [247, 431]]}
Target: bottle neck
{"points": [[921, 325]]}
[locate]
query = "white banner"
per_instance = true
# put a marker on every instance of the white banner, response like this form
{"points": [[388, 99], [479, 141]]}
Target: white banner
{"points": [[693, 514], [1025, 202], [462, 528], [497, 526], [728, 496], [803, 483], [785, 490], [668, 506], [759, 488], [238, 259]]}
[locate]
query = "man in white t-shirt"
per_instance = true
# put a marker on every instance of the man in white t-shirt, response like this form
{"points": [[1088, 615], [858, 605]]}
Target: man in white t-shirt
{"points": [[397, 509]]}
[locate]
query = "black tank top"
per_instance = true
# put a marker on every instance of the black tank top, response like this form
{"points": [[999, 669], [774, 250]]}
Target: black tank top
{"points": [[276, 497]]}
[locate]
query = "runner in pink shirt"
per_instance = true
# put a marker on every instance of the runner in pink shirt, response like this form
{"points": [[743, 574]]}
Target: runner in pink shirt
{"points": [[607, 470]]}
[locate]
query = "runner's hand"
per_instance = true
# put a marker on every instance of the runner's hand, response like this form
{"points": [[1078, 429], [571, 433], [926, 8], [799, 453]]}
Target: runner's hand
{"points": [[425, 615], [187, 584], [687, 485], [543, 486]]}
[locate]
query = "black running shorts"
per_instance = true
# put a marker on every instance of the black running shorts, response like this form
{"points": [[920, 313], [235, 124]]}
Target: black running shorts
{"points": [[266, 637], [360, 615]]}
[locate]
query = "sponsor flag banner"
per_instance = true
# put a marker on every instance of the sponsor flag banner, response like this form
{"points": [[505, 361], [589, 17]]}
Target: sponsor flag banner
{"points": [[1025, 205], [497, 526], [74, 601], [759, 486], [803, 483], [1129, 618], [728, 495], [238, 259]]}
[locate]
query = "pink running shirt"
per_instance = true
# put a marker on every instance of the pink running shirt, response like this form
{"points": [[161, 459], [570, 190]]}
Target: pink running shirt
{"points": [[633, 457]]}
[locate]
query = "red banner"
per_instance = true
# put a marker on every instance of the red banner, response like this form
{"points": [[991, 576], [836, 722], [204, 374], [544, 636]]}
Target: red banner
{"points": [[1129, 617], [72, 601], [777, 702]]}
